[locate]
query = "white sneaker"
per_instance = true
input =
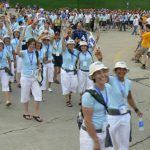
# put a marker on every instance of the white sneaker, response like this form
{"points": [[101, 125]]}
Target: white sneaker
{"points": [[50, 90]]}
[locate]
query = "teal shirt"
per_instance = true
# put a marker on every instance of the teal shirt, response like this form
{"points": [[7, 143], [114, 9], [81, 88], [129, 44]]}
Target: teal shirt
{"points": [[10, 50], [29, 63], [69, 60], [47, 50], [58, 47], [99, 112], [85, 60], [120, 92], [14, 43], [4, 58]]}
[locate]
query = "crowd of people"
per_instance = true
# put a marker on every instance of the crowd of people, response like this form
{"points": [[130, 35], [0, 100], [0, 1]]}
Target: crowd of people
{"points": [[36, 44]]}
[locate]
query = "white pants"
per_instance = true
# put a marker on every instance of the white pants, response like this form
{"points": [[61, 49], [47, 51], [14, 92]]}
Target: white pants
{"points": [[48, 71], [28, 85], [120, 130], [69, 82], [19, 64], [86, 142], [84, 81], [4, 80]]}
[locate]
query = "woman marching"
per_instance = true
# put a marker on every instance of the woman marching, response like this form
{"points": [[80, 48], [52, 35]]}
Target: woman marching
{"points": [[118, 112], [69, 80], [85, 59], [5, 66], [28, 81], [93, 129], [15, 42]]}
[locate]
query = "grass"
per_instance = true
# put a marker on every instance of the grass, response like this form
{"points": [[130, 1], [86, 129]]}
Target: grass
{"points": [[112, 4]]}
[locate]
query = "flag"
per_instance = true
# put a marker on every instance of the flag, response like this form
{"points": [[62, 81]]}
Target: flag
{"points": [[91, 41], [83, 38]]}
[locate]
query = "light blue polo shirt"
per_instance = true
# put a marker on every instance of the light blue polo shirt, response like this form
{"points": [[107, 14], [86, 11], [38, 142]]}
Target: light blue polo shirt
{"points": [[120, 92], [3, 58], [47, 50], [69, 60], [85, 59], [99, 111], [29, 63], [14, 42], [58, 46], [10, 50]]}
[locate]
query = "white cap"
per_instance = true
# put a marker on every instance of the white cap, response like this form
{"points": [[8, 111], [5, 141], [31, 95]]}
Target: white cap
{"points": [[96, 66], [6, 36], [70, 41], [121, 64], [82, 43], [16, 30], [1, 41]]}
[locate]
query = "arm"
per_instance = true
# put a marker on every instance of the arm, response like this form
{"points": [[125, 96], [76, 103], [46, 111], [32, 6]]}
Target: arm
{"points": [[98, 54], [133, 105], [63, 41], [87, 113]]}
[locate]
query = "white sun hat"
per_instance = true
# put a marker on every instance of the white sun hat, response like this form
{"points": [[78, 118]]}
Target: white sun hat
{"points": [[121, 64], [70, 41], [7, 36], [96, 66], [82, 43]]}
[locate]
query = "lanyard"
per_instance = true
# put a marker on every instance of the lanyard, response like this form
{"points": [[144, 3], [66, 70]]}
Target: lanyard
{"points": [[30, 59], [100, 93], [57, 44], [121, 88]]}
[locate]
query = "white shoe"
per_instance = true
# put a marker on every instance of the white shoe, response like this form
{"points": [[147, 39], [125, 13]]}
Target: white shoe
{"points": [[50, 90]]}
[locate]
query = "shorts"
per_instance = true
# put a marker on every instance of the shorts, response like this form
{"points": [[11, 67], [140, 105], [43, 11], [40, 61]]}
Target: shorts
{"points": [[57, 60], [142, 50]]}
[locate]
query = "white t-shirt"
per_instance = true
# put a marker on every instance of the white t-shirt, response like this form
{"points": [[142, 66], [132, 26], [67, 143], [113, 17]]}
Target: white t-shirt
{"points": [[148, 21], [136, 22], [87, 18]]}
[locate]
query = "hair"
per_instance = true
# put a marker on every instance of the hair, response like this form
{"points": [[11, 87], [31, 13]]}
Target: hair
{"points": [[148, 26], [30, 41]]}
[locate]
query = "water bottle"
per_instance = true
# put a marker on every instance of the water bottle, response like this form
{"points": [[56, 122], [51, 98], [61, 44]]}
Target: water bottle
{"points": [[141, 124]]}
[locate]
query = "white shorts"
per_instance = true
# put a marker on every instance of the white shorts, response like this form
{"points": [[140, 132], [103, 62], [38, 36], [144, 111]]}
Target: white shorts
{"points": [[69, 82], [86, 142], [4, 80], [28, 85], [120, 130], [48, 71], [84, 81], [19, 64], [11, 78]]}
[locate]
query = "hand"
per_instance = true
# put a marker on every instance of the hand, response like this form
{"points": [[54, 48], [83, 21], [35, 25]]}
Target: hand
{"points": [[139, 114], [97, 146]]}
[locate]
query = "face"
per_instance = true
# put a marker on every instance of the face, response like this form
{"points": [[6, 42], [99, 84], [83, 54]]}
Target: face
{"points": [[121, 72], [16, 34], [31, 46], [83, 48], [46, 41], [38, 46], [57, 36], [101, 76], [79, 26], [71, 46], [7, 40]]}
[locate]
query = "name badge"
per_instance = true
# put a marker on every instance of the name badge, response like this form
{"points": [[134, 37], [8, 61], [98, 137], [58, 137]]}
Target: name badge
{"points": [[84, 64], [71, 67], [123, 109], [57, 54]]}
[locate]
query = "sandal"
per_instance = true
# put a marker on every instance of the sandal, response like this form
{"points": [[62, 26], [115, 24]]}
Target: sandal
{"points": [[37, 118], [68, 104], [27, 117], [8, 103]]}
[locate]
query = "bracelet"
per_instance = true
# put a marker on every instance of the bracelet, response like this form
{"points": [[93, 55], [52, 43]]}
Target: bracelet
{"points": [[136, 110]]}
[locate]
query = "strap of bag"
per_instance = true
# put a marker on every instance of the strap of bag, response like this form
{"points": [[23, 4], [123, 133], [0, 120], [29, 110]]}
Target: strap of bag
{"points": [[97, 97]]}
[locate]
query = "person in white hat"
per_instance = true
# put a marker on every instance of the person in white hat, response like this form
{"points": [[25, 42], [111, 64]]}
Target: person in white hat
{"points": [[48, 66], [9, 48], [85, 59], [69, 80], [4, 63], [29, 83], [118, 111], [93, 129], [18, 65]]}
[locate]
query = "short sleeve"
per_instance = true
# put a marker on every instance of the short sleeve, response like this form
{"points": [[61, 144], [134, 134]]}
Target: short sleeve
{"points": [[87, 100], [130, 85]]}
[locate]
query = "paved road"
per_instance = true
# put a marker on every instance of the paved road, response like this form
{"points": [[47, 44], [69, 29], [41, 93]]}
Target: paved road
{"points": [[59, 129]]}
